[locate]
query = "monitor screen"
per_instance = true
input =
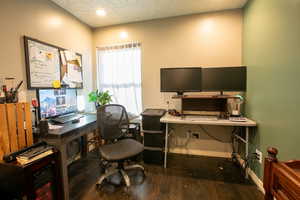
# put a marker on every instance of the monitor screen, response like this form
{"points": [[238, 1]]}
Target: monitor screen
{"points": [[180, 79], [224, 78], [55, 102]]}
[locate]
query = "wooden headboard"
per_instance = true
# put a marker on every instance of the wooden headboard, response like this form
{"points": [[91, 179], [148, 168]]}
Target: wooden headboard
{"points": [[15, 127]]}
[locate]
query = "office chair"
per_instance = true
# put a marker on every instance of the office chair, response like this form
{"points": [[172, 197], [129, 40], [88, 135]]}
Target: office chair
{"points": [[113, 124]]}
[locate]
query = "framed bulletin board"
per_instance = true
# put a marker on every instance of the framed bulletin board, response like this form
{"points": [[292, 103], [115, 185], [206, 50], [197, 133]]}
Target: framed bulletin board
{"points": [[45, 66]]}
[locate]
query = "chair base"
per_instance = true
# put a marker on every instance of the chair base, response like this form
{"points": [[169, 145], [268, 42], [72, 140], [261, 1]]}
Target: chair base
{"points": [[122, 171]]}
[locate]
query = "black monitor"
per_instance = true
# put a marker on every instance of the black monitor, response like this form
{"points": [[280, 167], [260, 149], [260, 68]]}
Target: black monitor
{"points": [[224, 78], [56, 102], [187, 79]]}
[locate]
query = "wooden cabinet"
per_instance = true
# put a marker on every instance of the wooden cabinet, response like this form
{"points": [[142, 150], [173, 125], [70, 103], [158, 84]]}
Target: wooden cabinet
{"points": [[41, 178], [204, 104]]}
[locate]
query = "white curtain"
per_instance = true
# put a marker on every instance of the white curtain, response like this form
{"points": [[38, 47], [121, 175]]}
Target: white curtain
{"points": [[119, 72]]}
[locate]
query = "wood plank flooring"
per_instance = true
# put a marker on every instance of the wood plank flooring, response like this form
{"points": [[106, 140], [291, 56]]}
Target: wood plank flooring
{"points": [[187, 178]]}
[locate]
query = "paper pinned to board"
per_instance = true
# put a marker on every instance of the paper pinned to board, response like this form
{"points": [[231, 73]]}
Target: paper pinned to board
{"points": [[63, 58], [72, 85], [79, 60], [74, 73], [67, 81], [70, 55]]}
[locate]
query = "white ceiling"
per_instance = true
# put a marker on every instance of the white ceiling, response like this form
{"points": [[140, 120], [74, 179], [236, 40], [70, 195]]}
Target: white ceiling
{"points": [[124, 11]]}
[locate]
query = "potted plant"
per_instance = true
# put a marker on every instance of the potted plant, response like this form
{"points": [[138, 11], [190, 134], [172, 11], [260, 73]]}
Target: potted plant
{"points": [[100, 98]]}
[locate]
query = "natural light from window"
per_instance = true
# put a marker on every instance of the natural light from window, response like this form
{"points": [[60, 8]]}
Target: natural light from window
{"points": [[119, 72]]}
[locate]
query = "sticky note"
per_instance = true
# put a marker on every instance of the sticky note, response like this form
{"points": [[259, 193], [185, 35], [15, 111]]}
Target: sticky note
{"points": [[56, 84], [49, 55]]}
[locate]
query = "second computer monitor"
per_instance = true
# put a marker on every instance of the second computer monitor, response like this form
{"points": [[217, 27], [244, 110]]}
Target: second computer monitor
{"points": [[224, 78]]}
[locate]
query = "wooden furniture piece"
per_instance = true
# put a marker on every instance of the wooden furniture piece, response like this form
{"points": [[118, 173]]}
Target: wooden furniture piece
{"points": [[37, 180], [204, 104], [168, 119], [60, 138], [15, 127], [281, 179]]}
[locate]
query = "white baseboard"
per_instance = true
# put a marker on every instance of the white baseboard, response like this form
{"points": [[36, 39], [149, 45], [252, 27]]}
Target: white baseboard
{"points": [[257, 181], [252, 175], [200, 152]]}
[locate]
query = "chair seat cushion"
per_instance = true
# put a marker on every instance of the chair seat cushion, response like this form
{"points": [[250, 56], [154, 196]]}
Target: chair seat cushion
{"points": [[121, 150]]}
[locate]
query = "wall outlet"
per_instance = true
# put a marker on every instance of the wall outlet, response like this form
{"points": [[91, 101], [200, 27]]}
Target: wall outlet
{"points": [[196, 135], [259, 156]]}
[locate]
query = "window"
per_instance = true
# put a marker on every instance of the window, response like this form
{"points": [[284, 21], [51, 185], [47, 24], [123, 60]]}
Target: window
{"points": [[119, 72]]}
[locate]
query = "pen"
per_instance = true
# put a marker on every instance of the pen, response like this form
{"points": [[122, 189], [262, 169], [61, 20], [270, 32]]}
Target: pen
{"points": [[18, 86]]}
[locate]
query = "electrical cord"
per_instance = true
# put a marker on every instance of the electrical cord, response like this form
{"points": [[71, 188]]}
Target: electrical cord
{"points": [[234, 150], [211, 136], [250, 159]]}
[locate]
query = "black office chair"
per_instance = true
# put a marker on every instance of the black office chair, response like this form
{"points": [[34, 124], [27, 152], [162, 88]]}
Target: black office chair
{"points": [[113, 124]]}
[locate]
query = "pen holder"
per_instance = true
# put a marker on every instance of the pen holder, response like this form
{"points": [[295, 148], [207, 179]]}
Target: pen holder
{"points": [[2, 100], [44, 127], [11, 97]]}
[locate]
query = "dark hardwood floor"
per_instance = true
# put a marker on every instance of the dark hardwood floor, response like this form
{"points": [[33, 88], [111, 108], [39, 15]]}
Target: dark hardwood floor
{"points": [[187, 178]]}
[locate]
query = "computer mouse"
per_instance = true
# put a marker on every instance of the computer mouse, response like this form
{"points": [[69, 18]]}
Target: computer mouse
{"points": [[75, 121]]}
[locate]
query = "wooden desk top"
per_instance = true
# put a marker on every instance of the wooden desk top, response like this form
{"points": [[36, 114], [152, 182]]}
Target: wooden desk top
{"points": [[220, 122], [68, 128]]}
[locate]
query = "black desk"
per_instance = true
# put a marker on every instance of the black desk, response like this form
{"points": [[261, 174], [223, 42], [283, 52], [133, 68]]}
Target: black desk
{"points": [[61, 137]]}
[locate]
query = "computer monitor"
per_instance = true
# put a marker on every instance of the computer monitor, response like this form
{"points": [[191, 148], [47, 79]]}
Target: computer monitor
{"points": [[56, 102], [187, 79], [224, 78]]}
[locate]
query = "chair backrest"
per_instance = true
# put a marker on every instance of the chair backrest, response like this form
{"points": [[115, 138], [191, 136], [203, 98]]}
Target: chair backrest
{"points": [[112, 120]]}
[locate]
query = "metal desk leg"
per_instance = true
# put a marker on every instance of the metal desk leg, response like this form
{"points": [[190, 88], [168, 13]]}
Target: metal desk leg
{"points": [[166, 146], [247, 149], [64, 170]]}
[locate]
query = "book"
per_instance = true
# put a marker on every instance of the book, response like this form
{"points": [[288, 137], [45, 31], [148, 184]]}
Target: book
{"points": [[29, 154], [39, 156]]}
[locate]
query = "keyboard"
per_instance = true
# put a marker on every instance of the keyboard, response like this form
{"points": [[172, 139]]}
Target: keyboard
{"points": [[238, 119], [201, 118], [67, 118]]}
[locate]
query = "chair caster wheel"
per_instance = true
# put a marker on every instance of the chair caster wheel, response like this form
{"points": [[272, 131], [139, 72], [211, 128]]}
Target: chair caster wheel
{"points": [[98, 186], [126, 190]]}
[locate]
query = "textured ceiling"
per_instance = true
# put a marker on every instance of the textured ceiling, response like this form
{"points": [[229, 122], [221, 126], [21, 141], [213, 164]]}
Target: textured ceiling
{"points": [[124, 11]]}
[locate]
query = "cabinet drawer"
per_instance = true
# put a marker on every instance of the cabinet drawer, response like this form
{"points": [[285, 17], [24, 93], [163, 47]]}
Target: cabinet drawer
{"points": [[153, 156], [156, 139]]}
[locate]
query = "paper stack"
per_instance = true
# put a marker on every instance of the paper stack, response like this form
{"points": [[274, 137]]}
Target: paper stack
{"points": [[34, 154]]}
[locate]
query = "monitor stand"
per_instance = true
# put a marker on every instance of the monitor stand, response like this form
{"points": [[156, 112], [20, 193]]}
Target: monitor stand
{"points": [[180, 94], [222, 94]]}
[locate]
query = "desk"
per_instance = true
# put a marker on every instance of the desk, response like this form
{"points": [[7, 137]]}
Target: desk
{"points": [[61, 137], [169, 119]]}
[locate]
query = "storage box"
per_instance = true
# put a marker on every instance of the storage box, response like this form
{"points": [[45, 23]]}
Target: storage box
{"points": [[151, 119], [154, 139], [153, 156]]}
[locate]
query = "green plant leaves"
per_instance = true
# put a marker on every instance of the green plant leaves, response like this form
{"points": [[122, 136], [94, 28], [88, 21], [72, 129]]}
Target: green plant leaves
{"points": [[100, 97]]}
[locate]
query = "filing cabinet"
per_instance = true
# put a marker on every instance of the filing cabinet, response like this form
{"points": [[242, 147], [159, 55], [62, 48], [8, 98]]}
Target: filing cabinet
{"points": [[154, 135]]}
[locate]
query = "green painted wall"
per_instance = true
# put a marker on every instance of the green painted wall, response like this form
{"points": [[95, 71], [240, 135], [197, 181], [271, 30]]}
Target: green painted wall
{"points": [[271, 50]]}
